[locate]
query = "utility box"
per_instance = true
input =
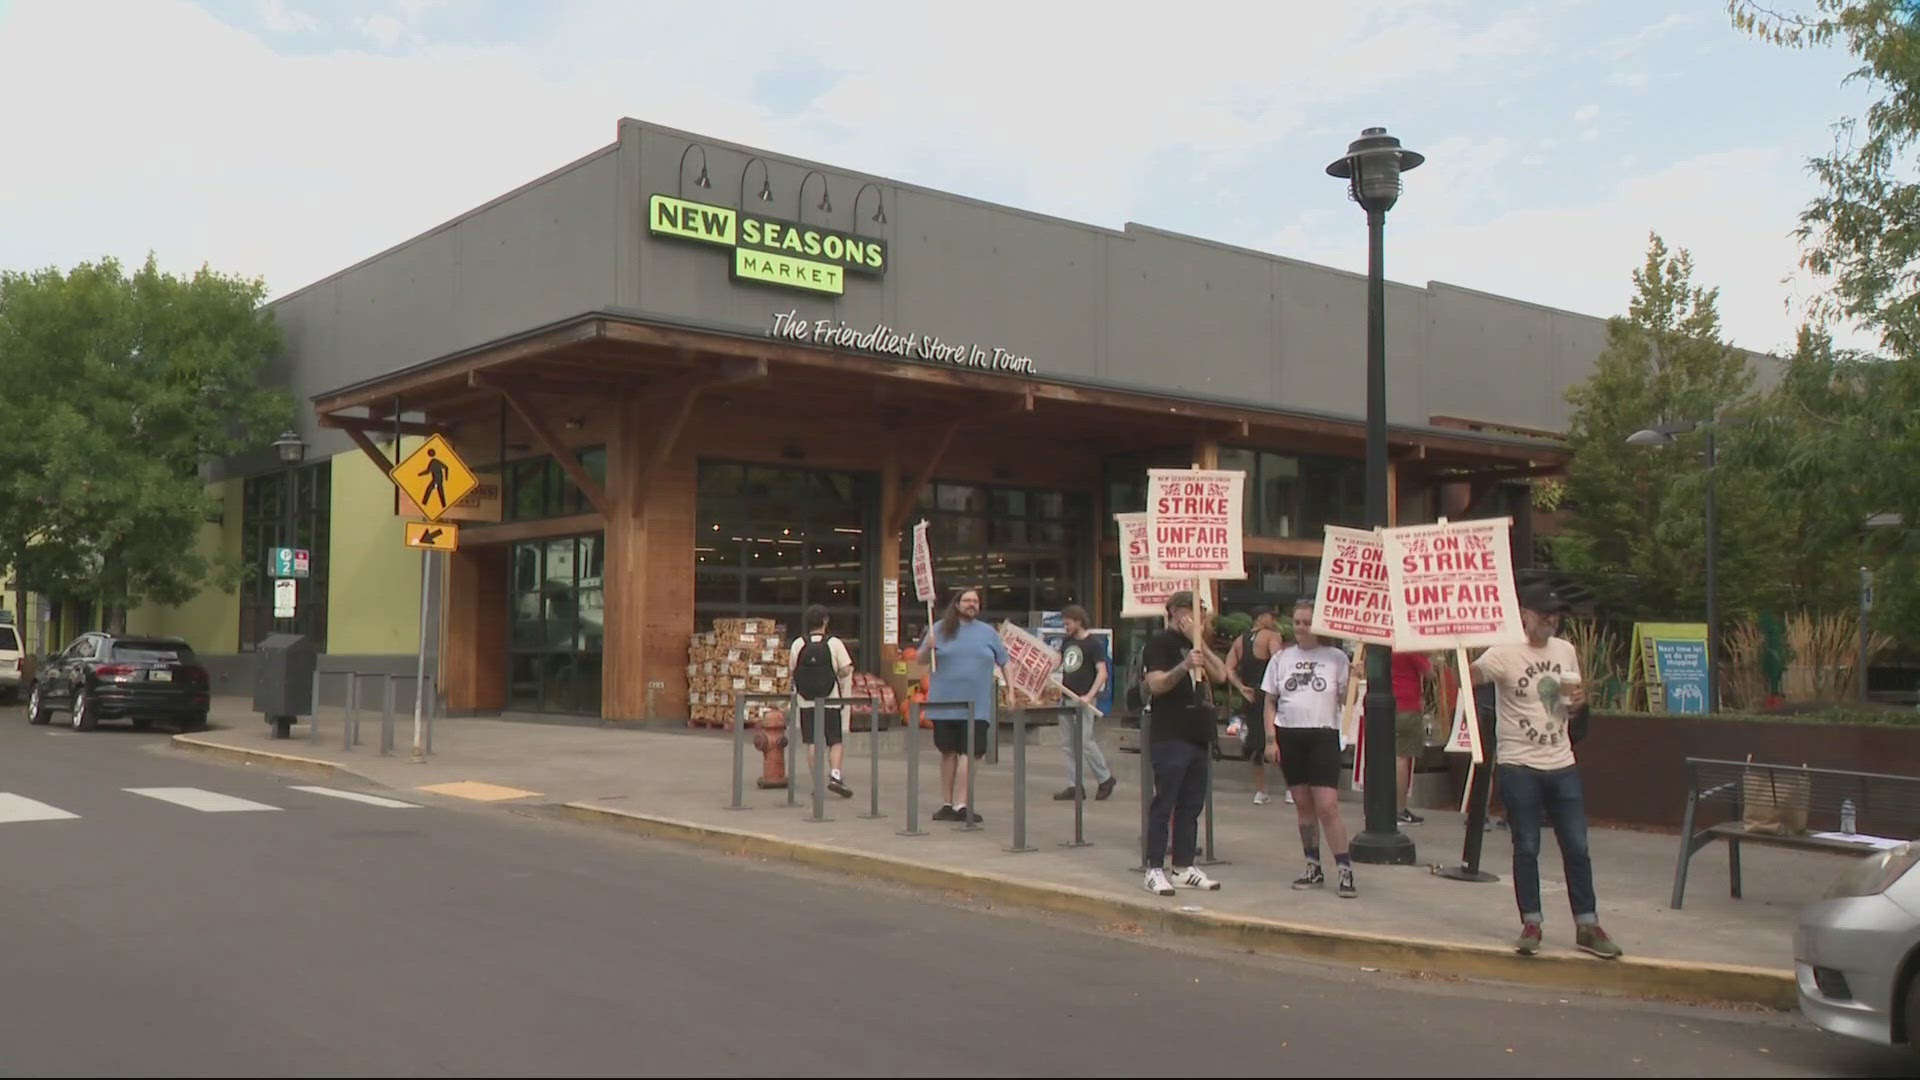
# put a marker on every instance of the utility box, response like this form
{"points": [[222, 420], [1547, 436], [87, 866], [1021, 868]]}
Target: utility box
{"points": [[283, 666]]}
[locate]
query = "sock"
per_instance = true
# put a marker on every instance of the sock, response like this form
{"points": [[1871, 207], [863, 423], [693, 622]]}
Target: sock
{"points": [[836, 774], [1313, 855], [957, 807], [1310, 842], [1344, 861]]}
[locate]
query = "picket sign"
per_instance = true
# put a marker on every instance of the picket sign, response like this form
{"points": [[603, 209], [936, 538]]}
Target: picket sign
{"points": [[923, 582], [1351, 711], [1464, 735], [1031, 665], [1194, 519]]}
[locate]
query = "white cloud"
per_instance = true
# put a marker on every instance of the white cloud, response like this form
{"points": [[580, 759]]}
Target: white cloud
{"points": [[1585, 113], [385, 30], [277, 17]]}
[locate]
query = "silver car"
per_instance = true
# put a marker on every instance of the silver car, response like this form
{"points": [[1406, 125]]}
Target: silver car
{"points": [[1856, 952]]}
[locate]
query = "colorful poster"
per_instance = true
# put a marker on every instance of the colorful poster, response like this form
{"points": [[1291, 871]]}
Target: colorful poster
{"points": [[1144, 595], [1194, 518], [1354, 601], [922, 564], [1452, 585], [1030, 663], [1670, 661]]}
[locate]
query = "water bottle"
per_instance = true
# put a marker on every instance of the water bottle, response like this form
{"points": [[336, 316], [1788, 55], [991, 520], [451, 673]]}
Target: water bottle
{"points": [[1846, 816]]}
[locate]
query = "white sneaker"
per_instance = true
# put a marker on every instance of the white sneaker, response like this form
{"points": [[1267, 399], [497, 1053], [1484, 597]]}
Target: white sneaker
{"points": [[1192, 878], [1157, 882], [1289, 798], [1261, 798]]}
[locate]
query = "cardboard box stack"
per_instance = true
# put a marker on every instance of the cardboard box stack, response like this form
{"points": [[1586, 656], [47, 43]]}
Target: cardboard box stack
{"points": [[738, 656]]}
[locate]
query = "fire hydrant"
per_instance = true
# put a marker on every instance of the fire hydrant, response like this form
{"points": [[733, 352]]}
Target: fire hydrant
{"points": [[771, 740]]}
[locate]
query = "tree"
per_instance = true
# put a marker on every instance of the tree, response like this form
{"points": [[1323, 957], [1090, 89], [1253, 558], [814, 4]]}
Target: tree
{"points": [[122, 389], [1636, 525]]}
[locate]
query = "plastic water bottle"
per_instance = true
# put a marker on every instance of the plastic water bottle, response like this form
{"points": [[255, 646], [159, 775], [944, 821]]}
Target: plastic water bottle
{"points": [[1846, 816]]}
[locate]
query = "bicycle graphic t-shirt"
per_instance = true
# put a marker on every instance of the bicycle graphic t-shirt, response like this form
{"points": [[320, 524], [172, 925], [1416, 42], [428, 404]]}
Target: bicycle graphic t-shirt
{"points": [[1306, 686]]}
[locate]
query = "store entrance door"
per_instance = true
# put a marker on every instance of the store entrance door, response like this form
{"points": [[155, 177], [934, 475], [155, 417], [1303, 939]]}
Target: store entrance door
{"points": [[556, 617]]}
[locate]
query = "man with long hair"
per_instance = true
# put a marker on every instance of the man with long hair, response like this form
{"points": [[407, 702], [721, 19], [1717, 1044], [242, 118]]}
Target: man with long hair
{"points": [[964, 653]]}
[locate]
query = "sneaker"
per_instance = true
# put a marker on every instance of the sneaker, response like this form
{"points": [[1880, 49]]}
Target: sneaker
{"points": [[945, 813], [961, 813], [1408, 817], [1591, 938], [1066, 794], [1347, 891], [839, 787], [1289, 798], [1192, 878], [1157, 882], [1528, 943], [1261, 798], [1314, 878], [1106, 787]]}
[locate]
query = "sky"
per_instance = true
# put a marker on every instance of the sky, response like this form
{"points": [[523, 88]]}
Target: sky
{"points": [[288, 140]]}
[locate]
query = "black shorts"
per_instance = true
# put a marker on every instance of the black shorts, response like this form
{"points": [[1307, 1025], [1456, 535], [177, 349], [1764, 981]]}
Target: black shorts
{"points": [[950, 737], [1310, 756], [832, 715], [1253, 717]]}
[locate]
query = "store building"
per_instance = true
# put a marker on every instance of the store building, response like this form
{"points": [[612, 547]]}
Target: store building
{"points": [[702, 380]]}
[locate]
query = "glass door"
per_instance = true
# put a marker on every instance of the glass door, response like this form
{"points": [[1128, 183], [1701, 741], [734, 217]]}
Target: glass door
{"points": [[556, 621]]}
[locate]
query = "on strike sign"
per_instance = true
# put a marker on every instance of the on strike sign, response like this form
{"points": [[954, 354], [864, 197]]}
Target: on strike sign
{"points": [[1143, 595], [1193, 523], [1354, 600], [1030, 663], [922, 564], [1453, 585]]}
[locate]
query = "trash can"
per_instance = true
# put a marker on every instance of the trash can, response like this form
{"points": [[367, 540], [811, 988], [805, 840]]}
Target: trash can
{"points": [[283, 666]]}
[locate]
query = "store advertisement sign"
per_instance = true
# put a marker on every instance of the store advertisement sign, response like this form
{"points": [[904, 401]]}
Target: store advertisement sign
{"points": [[787, 254], [1452, 585], [286, 562], [922, 565], [884, 339], [1671, 660], [1194, 519], [890, 611], [1354, 601], [1030, 663], [285, 590], [1143, 595]]}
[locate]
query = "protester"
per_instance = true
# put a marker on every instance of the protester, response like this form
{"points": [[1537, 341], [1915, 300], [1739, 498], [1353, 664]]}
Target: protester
{"points": [[1084, 670], [1305, 684], [964, 654], [1410, 671], [1182, 729], [1246, 668], [1539, 693], [821, 668]]}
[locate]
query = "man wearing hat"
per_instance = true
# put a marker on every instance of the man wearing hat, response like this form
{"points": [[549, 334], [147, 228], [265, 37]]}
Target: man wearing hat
{"points": [[1181, 734], [1539, 695]]}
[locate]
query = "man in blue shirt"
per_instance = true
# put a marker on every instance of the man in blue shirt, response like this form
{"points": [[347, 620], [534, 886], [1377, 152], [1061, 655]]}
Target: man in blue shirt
{"points": [[964, 653]]}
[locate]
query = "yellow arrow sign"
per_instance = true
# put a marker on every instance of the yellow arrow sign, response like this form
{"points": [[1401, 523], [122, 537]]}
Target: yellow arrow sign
{"points": [[434, 477], [433, 536]]}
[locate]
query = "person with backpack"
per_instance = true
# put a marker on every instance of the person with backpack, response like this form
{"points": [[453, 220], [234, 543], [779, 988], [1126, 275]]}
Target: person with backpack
{"points": [[822, 669]]}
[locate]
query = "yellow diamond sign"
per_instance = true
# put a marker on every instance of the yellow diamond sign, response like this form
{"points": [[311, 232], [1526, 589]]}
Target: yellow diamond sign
{"points": [[434, 477]]}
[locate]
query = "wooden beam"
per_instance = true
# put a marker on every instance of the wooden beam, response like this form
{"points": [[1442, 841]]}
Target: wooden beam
{"points": [[910, 495], [366, 447], [455, 368], [1278, 545], [596, 495], [670, 434], [515, 531], [380, 426]]}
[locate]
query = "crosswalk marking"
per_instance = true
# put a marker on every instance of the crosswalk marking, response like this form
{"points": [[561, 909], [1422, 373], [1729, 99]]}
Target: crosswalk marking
{"points": [[20, 808], [198, 799], [370, 800]]}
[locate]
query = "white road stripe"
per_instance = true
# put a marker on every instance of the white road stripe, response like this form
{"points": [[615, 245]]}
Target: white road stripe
{"points": [[197, 799], [20, 808], [370, 800]]}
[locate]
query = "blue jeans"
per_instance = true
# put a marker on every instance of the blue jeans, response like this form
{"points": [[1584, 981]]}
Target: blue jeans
{"points": [[1531, 795], [1179, 794]]}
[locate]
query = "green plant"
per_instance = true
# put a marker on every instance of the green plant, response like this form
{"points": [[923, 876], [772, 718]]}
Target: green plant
{"points": [[1602, 661]]}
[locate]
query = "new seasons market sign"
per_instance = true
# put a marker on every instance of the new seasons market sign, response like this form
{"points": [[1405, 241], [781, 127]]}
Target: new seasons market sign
{"points": [[789, 254]]}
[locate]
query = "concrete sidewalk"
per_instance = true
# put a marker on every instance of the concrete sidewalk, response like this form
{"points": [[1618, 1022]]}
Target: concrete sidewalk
{"points": [[676, 783]]}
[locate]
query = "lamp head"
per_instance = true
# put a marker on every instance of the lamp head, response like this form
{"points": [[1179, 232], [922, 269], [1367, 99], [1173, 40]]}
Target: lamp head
{"points": [[291, 447], [1372, 166], [1649, 437]]}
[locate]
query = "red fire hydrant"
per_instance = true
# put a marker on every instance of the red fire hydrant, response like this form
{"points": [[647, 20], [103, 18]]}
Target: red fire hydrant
{"points": [[771, 740]]}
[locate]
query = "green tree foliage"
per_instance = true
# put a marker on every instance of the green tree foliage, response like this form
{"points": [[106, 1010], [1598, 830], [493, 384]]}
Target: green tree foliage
{"points": [[1636, 528], [121, 389]]}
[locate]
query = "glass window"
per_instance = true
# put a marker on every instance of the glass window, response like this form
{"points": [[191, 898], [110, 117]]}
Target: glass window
{"points": [[264, 500]]}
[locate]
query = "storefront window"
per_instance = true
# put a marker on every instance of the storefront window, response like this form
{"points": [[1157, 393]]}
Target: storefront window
{"points": [[261, 527], [1023, 547], [536, 488], [556, 612], [1298, 496]]}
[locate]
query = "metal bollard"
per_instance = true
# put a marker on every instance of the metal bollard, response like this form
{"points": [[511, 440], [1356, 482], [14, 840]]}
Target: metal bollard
{"points": [[1077, 719], [313, 720], [1019, 783], [972, 764], [386, 718], [913, 772], [820, 761], [1146, 783], [793, 749], [432, 706], [739, 751], [873, 745], [1207, 858], [351, 714]]}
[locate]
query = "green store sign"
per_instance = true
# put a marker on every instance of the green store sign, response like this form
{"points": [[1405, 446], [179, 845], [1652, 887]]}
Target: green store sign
{"points": [[770, 251]]}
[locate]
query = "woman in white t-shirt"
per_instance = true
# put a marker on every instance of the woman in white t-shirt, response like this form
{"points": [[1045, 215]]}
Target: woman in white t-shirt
{"points": [[821, 666], [1305, 684]]}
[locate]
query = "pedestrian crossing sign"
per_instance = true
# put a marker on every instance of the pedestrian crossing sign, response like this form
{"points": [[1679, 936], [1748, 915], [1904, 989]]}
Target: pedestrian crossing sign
{"points": [[430, 536], [434, 477]]}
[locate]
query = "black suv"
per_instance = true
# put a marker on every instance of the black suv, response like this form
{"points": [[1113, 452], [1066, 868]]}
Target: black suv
{"points": [[101, 676]]}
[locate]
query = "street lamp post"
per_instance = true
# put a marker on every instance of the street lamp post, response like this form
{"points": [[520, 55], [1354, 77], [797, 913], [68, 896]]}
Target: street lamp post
{"points": [[1372, 166], [1662, 435], [292, 450]]}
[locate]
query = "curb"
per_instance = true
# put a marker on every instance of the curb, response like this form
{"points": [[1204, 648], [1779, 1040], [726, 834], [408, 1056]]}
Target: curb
{"points": [[245, 756], [1634, 977]]}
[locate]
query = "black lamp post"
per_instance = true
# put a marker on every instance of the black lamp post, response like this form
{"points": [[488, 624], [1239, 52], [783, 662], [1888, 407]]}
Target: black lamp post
{"points": [[292, 450], [1662, 435], [1372, 166]]}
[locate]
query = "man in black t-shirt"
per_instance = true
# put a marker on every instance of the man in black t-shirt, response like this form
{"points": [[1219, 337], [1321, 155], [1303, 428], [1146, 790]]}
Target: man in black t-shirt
{"points": [[1083, 671], [1181, 730]]}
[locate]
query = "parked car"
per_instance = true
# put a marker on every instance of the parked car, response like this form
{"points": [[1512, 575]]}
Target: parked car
{"points": [[1856, 952], [10, 662], [102, 676]]}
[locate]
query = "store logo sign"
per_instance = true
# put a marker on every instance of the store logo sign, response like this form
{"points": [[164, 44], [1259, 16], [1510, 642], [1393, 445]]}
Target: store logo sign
{"points": [[770, 251]]}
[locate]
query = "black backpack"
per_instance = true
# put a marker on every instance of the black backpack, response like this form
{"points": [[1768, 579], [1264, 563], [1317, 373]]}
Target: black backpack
{"points": [[813, 674]]}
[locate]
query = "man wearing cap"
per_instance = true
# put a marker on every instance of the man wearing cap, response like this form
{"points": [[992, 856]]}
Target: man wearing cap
{"points": [[1538, 691], [1180, 736]]}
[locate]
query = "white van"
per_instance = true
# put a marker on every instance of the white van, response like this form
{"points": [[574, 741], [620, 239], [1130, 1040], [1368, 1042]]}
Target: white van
{"points": [[10, 657]]}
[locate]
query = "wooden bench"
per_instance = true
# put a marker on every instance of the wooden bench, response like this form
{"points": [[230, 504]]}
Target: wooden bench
{"points": [[1883, 805]]}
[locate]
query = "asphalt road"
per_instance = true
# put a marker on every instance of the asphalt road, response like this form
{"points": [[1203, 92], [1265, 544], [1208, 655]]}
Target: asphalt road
{"points": [[153, 934]]}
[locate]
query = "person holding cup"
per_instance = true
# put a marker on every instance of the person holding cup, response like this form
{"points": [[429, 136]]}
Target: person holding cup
{"points": [[1541, 700]]}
